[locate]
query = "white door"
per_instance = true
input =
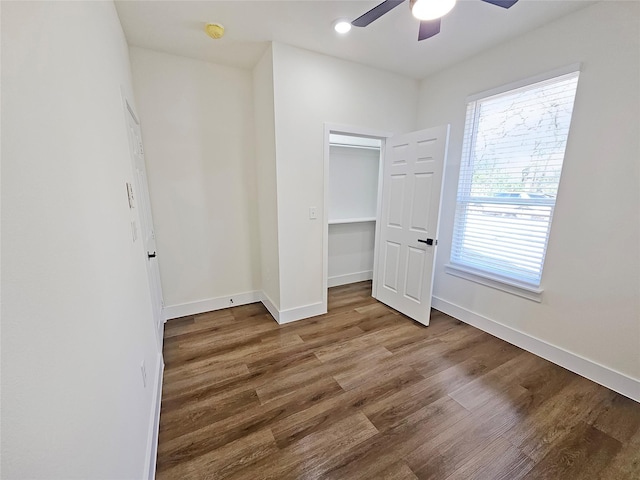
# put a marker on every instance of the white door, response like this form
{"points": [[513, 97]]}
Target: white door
{"points": [[411, 187], [143, 204]]}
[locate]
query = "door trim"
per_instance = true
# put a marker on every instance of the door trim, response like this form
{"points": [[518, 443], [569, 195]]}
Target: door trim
{"points": [[353, 131]]}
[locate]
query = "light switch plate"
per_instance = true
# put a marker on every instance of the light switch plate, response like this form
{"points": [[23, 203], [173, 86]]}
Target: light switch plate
{"points": [[313, 213]]}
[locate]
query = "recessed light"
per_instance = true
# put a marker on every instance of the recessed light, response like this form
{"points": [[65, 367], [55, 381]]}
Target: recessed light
{"points": [[342, 26]]}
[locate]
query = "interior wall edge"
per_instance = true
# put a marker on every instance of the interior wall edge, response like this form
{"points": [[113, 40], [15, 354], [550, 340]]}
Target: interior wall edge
{"points": [[270, 306], [154, 422], [601, 374]]}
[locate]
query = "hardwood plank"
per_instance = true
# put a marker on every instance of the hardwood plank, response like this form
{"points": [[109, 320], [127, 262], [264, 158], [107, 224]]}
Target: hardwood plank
{"points": [[227, 460], [202, 412], [193, 443], [498, 460], [386, 412], [398, 471], [544, 428], [441, 455], [393, 444], [489, 386], [298, 425], [274, 358], [362, 342], [206, 377], [626, 464], [364, 392], [620, 419], [285, 340], [368, 367], [305, 459], [583, 454]]}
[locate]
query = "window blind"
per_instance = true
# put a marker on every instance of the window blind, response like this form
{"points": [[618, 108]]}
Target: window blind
{"points": [[513, 150]]}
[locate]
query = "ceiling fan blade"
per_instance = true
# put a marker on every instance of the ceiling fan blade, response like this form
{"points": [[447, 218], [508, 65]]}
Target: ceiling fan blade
{"points": [[428, 28], [502, 3], [375, 13]]}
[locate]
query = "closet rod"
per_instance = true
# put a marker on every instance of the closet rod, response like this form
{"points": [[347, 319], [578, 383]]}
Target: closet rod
{"points": [[353, 146]]}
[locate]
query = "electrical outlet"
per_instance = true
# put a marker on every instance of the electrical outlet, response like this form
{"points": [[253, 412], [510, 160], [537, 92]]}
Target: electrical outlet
{"points": [[313, 213], [143, 370]]}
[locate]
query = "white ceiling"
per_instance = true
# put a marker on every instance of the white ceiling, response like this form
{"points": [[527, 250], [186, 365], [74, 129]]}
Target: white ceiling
{"points": [[390, 43]]}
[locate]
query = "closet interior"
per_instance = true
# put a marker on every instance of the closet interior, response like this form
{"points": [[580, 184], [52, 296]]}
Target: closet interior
{"points": [[354, 174]]}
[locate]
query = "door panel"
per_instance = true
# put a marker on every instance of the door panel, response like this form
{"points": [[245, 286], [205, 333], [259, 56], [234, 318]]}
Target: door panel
{"points": [[412, 184], [415, 273], [392, 258], [421, 202], [399, 154], [396, 202], [142, 203]]}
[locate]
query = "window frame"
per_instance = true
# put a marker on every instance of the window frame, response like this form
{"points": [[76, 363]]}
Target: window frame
{"points": [[478, 275]]}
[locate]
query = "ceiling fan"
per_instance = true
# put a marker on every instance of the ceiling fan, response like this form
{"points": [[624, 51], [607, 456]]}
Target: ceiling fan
{"points": [[428, 12]]}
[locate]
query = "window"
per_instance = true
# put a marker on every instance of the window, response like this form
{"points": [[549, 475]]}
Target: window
{"points": [[514, 144]]}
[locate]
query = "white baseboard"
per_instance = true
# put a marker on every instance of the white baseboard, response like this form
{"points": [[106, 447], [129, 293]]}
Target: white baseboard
{"points": [[210, 304], [292, 314], [349, 278], [154, 423], [612, 379], [300, 313], [269, 305]]}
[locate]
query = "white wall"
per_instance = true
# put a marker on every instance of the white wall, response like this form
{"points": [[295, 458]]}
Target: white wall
{"points": [[591, 284], [351, 248], [264, 117], [197, 127], [353, 182], [309, 90], [76, 313]]}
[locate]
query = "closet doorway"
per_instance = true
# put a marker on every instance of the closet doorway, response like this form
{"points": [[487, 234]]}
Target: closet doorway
{"points": [[409, 183], [353, 187]]}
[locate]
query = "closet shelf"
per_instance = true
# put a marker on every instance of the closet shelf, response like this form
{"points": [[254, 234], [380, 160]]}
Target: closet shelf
{"points": [[338, 221]]}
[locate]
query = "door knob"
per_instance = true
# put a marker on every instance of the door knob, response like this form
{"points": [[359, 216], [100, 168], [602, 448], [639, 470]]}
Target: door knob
{"points": [[151, 255], [428, 241]]}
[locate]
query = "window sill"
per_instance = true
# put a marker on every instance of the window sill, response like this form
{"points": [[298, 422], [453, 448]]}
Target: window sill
{"points": [[514, 288]]}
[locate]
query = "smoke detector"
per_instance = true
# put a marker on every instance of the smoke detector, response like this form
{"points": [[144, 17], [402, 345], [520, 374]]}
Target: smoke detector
{"points": [[214, 30]]}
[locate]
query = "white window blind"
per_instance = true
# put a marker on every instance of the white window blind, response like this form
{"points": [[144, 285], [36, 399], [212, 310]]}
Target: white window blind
{"points": [[513, 150]]}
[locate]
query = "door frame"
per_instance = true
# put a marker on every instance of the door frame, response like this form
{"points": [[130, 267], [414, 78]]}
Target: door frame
{"points": [[352, 131]]}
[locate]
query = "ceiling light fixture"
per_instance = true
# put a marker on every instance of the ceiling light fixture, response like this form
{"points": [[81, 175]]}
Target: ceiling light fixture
{"points": [[342, 26], [431, 9]]}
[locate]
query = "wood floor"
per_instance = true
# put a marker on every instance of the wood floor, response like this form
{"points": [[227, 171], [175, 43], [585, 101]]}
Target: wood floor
{"points": [[364, 392]]}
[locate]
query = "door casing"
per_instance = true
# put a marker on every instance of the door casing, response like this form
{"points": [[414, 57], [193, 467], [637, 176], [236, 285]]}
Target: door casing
{"points": [[352, 131]]}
